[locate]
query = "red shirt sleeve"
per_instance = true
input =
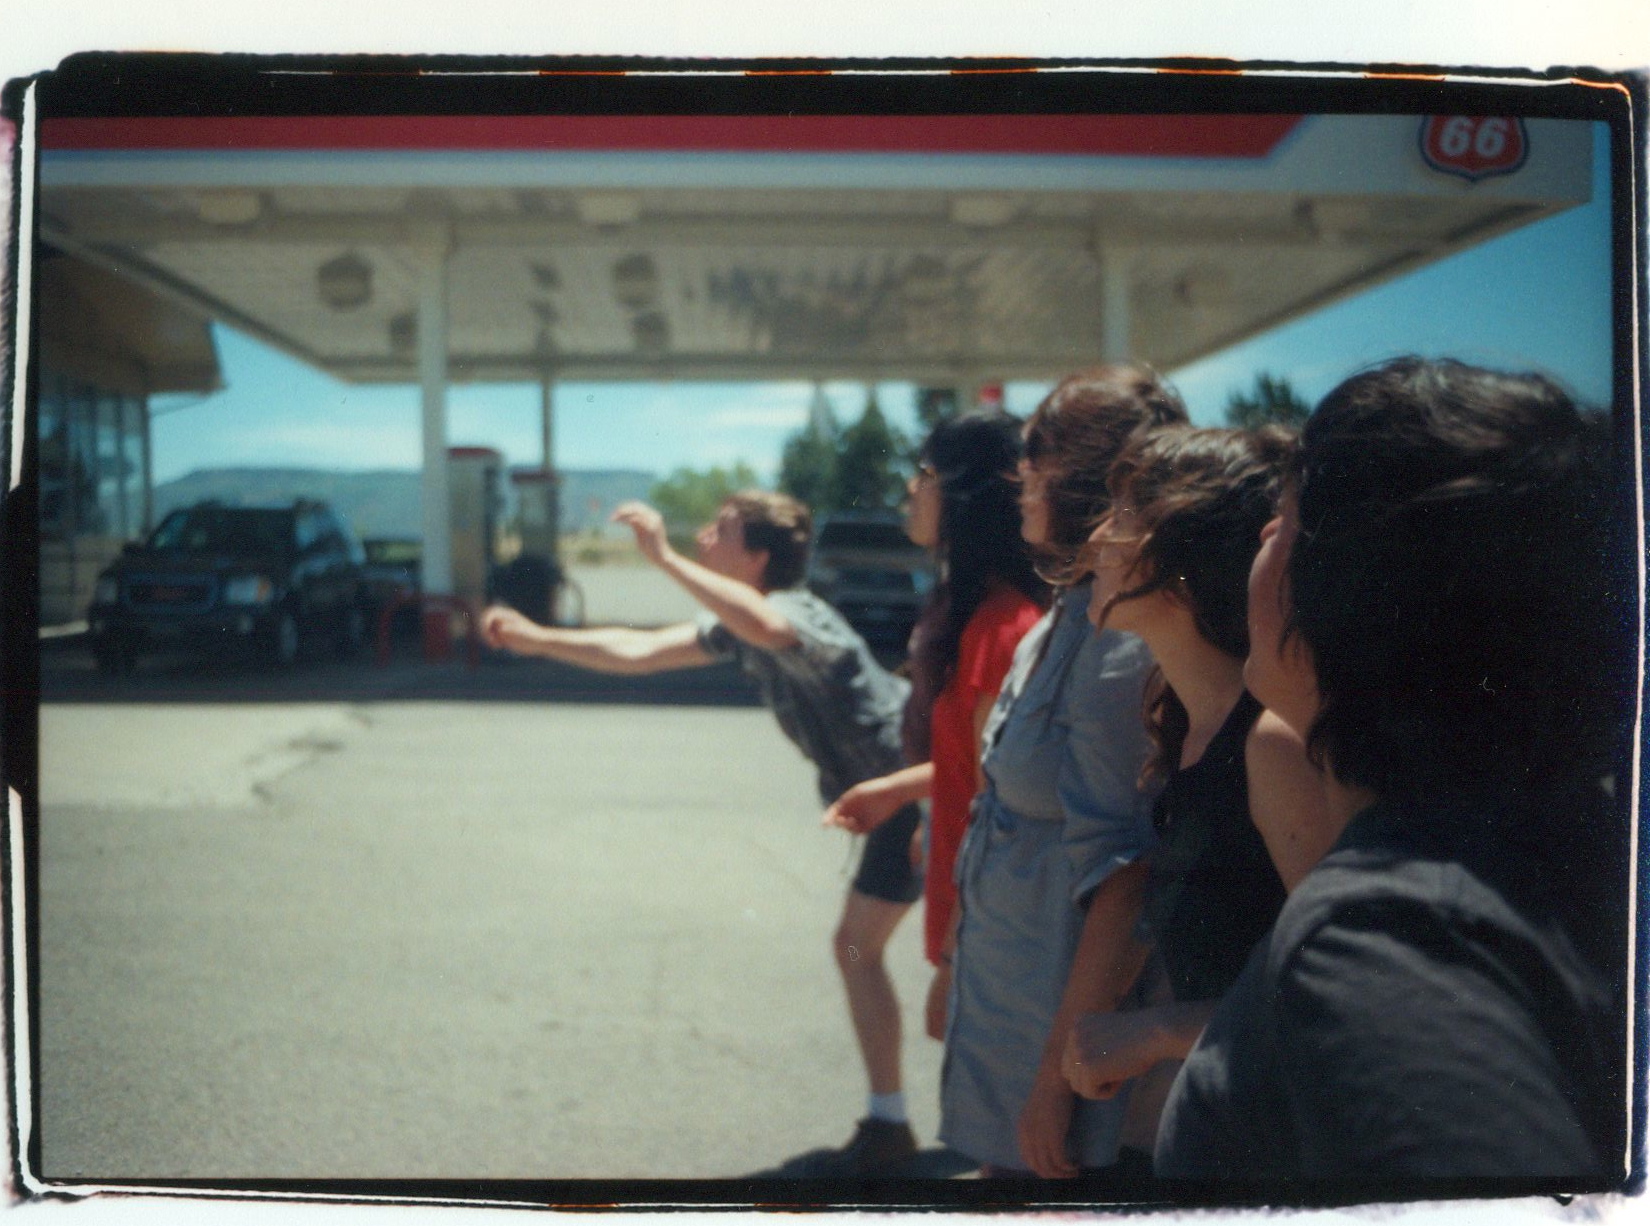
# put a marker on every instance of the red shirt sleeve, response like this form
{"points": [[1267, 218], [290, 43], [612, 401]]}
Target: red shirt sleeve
{"points": [[984, 654], [988, 641]]}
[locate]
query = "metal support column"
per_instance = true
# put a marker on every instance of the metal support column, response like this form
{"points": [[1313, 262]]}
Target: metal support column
{"points": [[1114, 305], [433, 247], [547, 418]]}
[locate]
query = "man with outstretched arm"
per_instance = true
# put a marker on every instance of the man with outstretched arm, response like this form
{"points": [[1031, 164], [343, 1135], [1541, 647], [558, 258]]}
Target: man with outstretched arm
{"points": [[830, 696]]}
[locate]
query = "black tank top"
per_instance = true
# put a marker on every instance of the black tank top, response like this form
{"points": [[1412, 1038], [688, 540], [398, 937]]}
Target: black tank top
{"points": [[1213, 890]]}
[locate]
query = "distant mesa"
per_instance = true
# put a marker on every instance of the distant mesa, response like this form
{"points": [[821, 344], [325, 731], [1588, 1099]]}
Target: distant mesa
{"points": [[387, 502]]}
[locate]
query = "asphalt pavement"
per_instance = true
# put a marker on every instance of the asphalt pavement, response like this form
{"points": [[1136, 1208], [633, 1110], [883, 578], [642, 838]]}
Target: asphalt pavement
{"points": [[428, 921]]}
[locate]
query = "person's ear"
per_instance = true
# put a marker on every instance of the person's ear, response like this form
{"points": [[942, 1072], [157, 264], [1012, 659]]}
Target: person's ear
{"points": [[1175, 589]]}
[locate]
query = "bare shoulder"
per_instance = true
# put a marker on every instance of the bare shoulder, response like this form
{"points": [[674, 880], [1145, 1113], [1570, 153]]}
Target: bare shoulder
{"points": [[1287, 800], [1274, 745]]}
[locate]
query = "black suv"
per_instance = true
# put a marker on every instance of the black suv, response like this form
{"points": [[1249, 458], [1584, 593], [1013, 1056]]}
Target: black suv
{"points": [[276, 579], [865, 565]]}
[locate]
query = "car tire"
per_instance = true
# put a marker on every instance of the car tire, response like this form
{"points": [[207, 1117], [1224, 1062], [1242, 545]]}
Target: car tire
{"points": [[283, 643]]}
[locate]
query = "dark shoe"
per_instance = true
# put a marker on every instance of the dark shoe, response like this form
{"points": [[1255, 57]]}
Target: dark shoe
{"points": [[875, 1146]]}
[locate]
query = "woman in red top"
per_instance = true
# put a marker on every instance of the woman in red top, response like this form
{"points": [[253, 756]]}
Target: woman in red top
{"points": [[963, 504]]}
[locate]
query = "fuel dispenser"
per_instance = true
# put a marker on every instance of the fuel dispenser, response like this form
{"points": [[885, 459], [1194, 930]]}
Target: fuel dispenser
{"points": [[532, 580], [474, 511], [476, 501]]}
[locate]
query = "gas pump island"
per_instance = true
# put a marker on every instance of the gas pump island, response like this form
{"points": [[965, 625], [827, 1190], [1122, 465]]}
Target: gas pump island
{"points": [[496, 556]]}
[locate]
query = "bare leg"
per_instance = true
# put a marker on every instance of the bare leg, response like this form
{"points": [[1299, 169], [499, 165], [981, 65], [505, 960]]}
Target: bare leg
{"points": [[860, 939]]}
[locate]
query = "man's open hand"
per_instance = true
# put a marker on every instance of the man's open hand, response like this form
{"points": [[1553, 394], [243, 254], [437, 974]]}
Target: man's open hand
{"points": [[649, 527]]}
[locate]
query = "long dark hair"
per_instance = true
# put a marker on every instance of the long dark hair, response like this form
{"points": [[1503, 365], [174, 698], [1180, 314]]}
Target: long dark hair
{"points": [[1463, 584], [1199, 499], [973, 458], [1475, 512]]}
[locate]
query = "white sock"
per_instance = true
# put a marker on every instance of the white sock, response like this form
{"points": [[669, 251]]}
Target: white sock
{"points": [[890, 1107]]}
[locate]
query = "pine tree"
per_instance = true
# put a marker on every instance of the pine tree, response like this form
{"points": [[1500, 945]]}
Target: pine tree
{"points": [[807, 465], [867, 476], [1273, 401]]}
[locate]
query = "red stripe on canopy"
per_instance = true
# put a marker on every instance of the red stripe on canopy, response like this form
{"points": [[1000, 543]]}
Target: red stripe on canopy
{"points": [[1208, 136]]}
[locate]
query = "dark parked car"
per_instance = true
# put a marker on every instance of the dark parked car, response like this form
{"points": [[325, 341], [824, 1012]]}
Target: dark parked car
{"points": [[865, 565], [274, 579], [390, 576]]}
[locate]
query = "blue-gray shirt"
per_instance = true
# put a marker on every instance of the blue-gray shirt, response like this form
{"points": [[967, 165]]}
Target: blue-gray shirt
{"points": [[1063, 809], [830, 696]]}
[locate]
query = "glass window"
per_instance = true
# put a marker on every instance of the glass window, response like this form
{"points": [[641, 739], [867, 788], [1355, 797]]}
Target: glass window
{"points": [[54, 458], [86, 517], [133, 439], [237, 531], [111, 507], [864, 534]]}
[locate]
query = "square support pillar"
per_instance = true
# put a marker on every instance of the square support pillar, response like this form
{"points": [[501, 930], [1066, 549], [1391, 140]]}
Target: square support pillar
{"points": [[1115, 344], [431, 248]]}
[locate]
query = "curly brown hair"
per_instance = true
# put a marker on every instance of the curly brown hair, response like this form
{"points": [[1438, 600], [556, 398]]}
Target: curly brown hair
{"points": [[1198, 499], [1076, 434]]}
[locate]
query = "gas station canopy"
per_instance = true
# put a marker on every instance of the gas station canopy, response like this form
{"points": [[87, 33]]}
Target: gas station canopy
{"points": [[943, 249]]}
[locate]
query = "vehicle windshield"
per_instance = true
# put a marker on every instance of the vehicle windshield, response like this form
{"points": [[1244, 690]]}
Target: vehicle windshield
{"points": [[846, 534], [238, 531], [382, 551]]}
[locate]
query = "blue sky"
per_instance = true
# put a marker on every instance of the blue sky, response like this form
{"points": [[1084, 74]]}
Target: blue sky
{"points": [[1535, 299]]}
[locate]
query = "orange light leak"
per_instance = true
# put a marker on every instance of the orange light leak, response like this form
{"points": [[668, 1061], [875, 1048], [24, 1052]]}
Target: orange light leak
{"points": [[1430, 77]]}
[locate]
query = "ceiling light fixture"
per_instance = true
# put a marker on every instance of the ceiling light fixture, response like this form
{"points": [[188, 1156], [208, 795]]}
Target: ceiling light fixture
{"points": [[345, 283], [636, 281], [983, 211], [228, 208], [608, 208]]}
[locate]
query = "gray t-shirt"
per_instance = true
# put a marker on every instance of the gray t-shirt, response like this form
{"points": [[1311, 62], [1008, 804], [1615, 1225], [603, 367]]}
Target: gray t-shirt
{"points": [[1417, 1011], [828, 693]]}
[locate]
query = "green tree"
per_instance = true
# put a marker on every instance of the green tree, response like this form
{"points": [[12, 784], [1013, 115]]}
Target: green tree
{"points": [[1273, 400], [807, 464], [868, 463], [691, 496], [934, 405]]}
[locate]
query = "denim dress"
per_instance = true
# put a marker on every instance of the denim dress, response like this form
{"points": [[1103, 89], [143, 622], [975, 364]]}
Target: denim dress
{"points": [[1062, 810]]}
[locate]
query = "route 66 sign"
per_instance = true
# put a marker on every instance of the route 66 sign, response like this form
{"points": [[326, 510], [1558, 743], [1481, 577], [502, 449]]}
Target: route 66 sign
{"points": [[1474, 146]]}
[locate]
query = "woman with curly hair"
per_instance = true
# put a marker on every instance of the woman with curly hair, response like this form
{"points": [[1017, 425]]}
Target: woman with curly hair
{"points": [[1241, 816], [1049, 876]]}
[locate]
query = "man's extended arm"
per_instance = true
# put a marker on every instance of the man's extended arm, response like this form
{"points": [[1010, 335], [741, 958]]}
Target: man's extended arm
{"points": [[741, 608], [608, 649]]}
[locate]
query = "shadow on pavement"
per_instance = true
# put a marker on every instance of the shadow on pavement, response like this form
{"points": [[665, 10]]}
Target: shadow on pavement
{"points": [[936, 1163], [68, 674]]}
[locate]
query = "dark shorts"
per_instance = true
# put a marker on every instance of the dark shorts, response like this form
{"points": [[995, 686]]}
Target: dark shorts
{"points": [[885, 868]]}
